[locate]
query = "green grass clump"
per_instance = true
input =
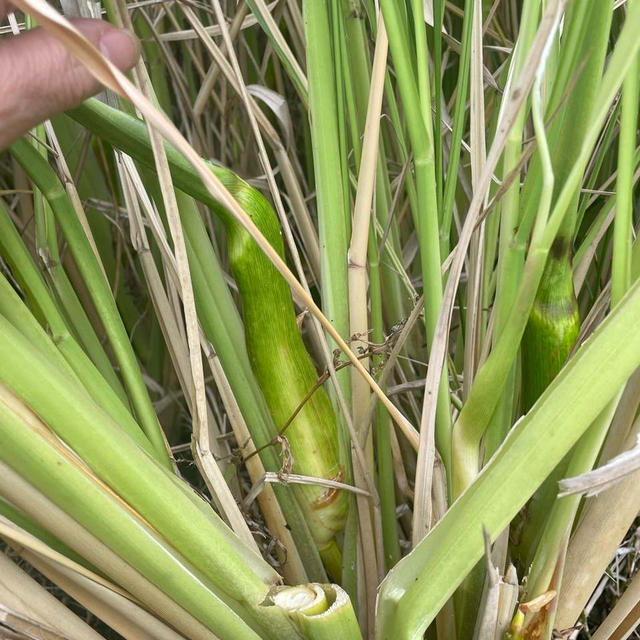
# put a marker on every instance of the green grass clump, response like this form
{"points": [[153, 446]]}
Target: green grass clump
{"points": [[314, 366]]}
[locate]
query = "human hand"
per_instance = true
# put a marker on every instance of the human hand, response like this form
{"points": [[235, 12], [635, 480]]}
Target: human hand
{"points": [[39, 78]]}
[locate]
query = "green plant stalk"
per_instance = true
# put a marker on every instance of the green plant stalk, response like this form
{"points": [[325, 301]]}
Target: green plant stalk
{"points": [[438, 16], [320, 611], [71, 489], [421, 136], [44, 222], [333, 216], [554, 322], [46, 247], [330, 174], [275, 347], [384, 458], [422, 76], [414, 590], [459, 115], [358, 68], [627, 162], [553, 326], [80, 323], [44, 177], [341, 81], [76, 317]]}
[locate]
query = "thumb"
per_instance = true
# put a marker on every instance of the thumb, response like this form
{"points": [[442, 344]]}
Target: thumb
{"points": [[40, 78]]}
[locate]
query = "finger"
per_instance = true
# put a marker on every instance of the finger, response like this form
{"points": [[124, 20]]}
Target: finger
{"points": [[40, 78], [4, 8]]}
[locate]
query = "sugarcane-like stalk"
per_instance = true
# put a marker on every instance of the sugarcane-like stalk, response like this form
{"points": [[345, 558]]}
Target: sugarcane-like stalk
{"points": [[286, 373], [550, 334], [553, 325], [279, 358]]}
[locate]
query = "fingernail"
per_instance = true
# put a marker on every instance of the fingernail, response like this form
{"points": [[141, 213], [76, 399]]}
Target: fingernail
{"points": [[121, 47]]}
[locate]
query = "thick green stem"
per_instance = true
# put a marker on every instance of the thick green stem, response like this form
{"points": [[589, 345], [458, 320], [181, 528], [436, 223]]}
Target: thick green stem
{"points": [[552, 328], [286, 374], [278, 356]]}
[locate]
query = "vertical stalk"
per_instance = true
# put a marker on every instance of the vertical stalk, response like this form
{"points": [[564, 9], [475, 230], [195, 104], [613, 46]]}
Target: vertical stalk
{"points": [[459, 116], [622, 228], [359, 322], [333, 217], [420, 130], [329, 177], [511, 254], [384, 458], [358, 308], [357, 80], [438, 15]]}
